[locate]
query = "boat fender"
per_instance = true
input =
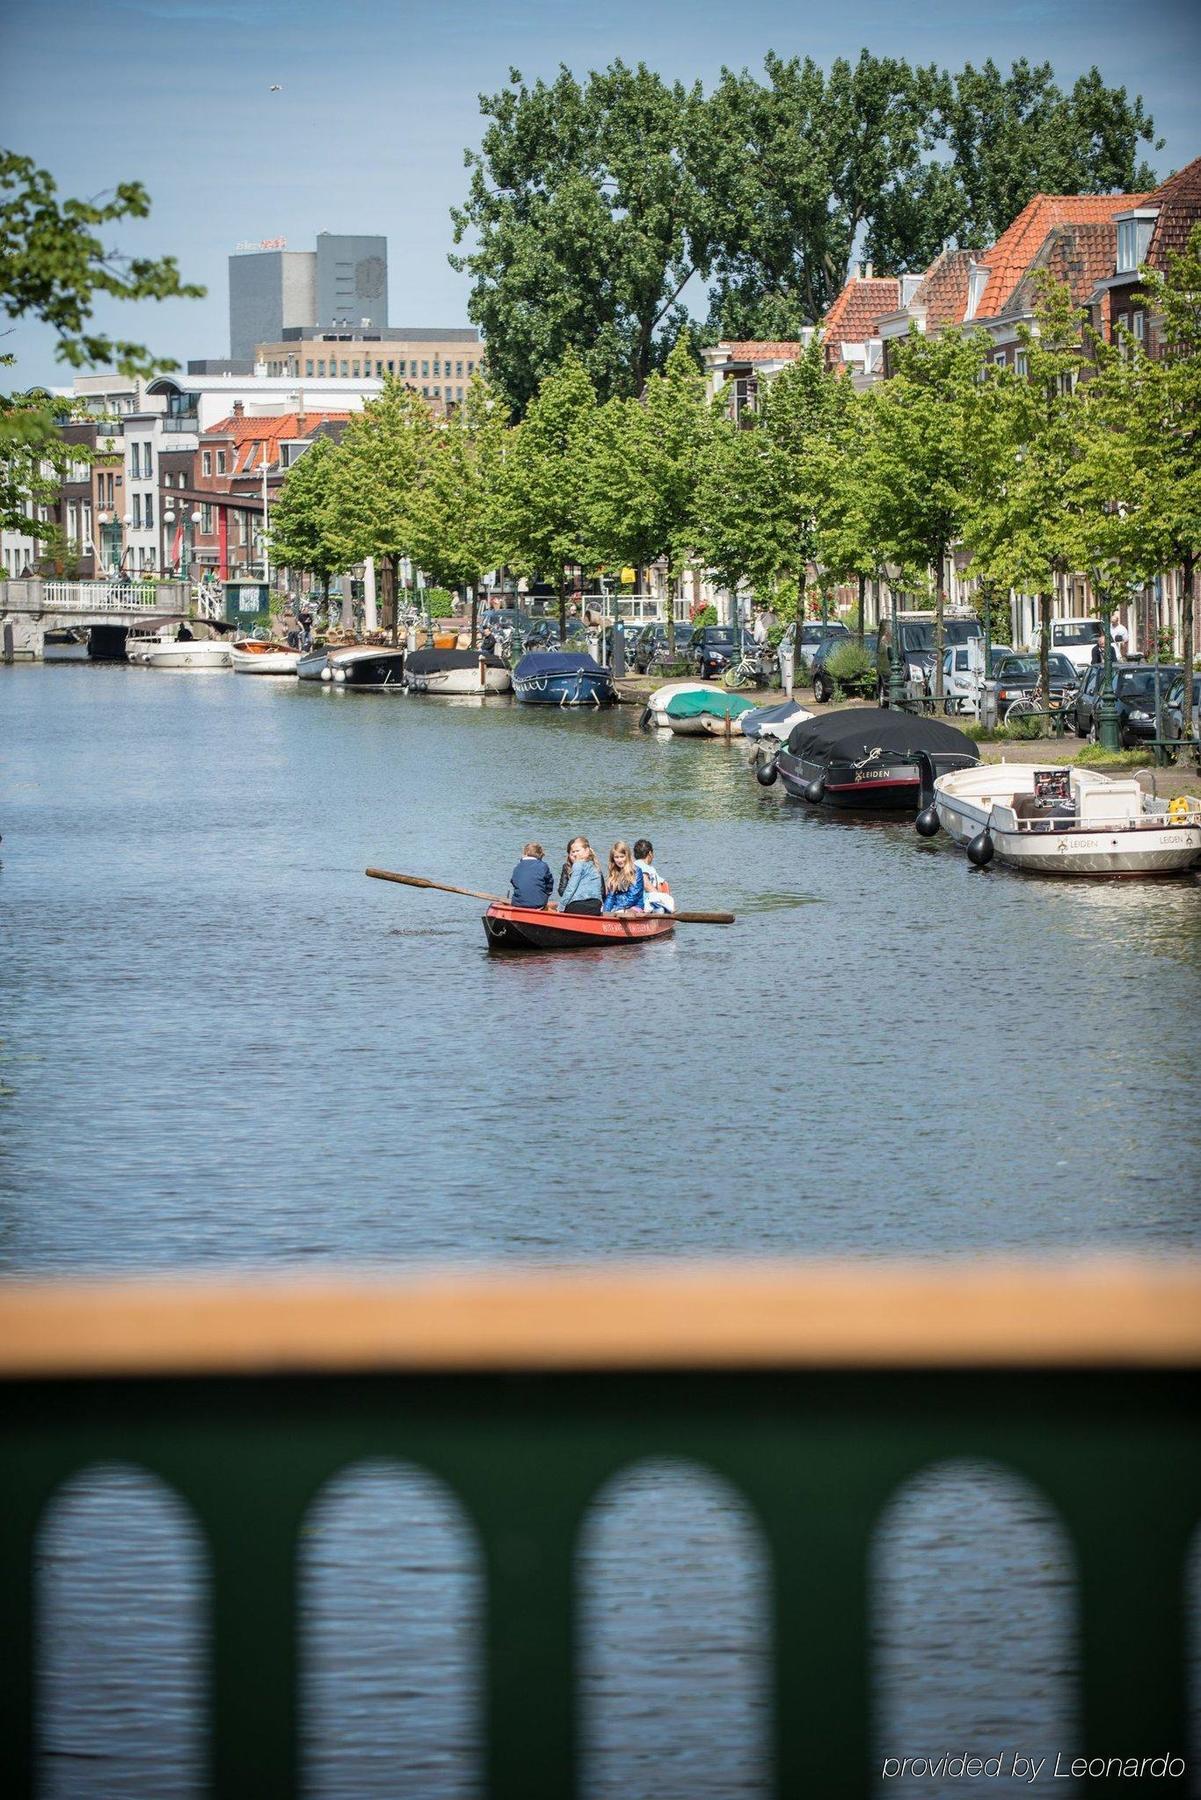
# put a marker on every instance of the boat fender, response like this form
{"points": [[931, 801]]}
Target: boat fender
{"points": [[815, 792], [980, 849], [926, 824], [765, 770], [644, 723]]}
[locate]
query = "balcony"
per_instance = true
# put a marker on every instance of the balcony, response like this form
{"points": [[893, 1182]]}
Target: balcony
{"points": [[814, 1391], [181, 422]]}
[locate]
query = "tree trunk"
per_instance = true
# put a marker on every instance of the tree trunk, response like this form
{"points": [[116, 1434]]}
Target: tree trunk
{"points": [[671, 617], [563, 603], [1189, 563], [940, 607], [1044, 649], [862, 604], [800, 625], [475, 616]]}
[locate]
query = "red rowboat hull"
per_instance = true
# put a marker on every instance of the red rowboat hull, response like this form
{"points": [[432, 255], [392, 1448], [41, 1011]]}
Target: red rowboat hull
{"points": [[526, 928]]}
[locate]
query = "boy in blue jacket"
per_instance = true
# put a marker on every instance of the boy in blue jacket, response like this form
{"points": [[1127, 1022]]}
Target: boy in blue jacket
{"points": [[531, 882]]}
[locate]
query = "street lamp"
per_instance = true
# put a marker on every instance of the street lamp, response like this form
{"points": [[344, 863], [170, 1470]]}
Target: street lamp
{"points": [[896, 677], [1107, 712]]}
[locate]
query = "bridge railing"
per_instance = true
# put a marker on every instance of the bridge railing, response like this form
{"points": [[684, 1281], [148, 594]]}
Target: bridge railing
{"points": [[815, 1391], [100, 596]]}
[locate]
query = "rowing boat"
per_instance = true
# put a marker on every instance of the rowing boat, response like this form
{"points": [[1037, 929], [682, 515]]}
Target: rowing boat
{"points": [[527, 928]]}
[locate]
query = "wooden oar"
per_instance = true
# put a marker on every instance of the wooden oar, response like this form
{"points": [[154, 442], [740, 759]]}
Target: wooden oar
{"points": [[445, 887]]}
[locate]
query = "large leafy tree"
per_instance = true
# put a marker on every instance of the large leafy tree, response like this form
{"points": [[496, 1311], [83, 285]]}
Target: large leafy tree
{"points": [[544, 518], [916, 463], [382, 463], [302, 529], [54, 266], [586, 225], [458, 518], [645, 470]]}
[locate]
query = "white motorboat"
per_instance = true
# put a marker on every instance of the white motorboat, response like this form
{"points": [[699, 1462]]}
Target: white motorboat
{"points": [[1066, 821], [456, 672], [192, 654], [262, 656], [319, 663], [139, 644]]}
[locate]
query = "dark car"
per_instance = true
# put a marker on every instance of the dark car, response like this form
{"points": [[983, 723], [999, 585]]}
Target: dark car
{"points": [[1134, 697], [710, 650], [651, 641], [1017, 676], [823, 682], [916, 640], [1173, 711]]}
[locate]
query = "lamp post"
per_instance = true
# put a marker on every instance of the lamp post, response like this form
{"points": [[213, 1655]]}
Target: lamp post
{"points": [[1107, 712], [896, 678]]}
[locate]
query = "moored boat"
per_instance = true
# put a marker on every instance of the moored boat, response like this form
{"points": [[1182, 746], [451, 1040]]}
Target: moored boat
{"points": [[1067, 821], [65, 646], [868, 759], [698, 709], [192, 654], [774, 722], [369, 667], [456, 672], [563, 678], [526, 928], [262, 656]]}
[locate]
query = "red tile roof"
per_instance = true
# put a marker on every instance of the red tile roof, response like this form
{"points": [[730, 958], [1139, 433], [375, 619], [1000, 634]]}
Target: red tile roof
{"points": [[1179, 203], [1015, 250], [864, 299], [943, 289], [259, 440], [1078, 255], [761, 350]]}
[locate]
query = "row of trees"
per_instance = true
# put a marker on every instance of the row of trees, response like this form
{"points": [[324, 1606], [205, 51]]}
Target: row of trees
{"points": [[1088, 461], [598, 209]]}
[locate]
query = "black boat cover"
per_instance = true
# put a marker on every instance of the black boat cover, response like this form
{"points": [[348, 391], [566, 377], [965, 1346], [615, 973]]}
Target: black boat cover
{"points": [[858, 731], [431, 662]]}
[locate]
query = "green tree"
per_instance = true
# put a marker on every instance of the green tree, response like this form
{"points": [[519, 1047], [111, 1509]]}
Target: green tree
{"points": [[916, 463], [459, 515], [645, 468], [543, 517], [378, 474], [587, 224], [54, 265], [1025, 535], [302, 534]]}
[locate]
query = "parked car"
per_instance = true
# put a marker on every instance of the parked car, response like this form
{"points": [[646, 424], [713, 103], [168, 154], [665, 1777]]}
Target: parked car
{"points": [[813, 635], [710, 650], [963, 672], [1134, 697], [917, 649], [1173, 711], [642, 647], [823, 681], [1073, 638], [1019, 675]]}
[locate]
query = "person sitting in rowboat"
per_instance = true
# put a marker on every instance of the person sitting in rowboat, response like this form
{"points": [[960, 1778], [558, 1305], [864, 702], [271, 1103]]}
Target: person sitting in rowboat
{"points": [[584, 889], [658, 897], [626, 893], [531, 882]]}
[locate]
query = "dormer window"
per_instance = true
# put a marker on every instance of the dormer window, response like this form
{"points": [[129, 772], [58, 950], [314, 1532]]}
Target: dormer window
{"points": [[977, 281], [1134, 240]]}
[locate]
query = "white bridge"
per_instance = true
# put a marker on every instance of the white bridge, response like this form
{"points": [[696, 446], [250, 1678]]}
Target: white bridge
{"points": [[31, 608]]}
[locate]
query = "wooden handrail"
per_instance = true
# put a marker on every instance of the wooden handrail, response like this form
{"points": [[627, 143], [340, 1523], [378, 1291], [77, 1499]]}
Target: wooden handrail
{"points": [[1069, 1314]]}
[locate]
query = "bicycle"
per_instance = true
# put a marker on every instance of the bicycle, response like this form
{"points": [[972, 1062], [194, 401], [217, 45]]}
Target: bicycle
{"points": [[750, 671], [1034, 705]]}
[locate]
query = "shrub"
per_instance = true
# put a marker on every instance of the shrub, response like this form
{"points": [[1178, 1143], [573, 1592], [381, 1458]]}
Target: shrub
{"points": [[706, 616], [439, 603], [852, 670], [1114, 759]]}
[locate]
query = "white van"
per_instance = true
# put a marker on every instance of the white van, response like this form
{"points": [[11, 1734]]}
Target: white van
{"points": [[1073, 638]]}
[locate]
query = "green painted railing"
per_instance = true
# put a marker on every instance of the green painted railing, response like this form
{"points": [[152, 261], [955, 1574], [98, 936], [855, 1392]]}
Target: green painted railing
{"points": [[817, 1392]]}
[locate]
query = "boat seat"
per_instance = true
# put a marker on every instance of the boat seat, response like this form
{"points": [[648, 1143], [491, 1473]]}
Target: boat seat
{"points": [[1029, 806]]}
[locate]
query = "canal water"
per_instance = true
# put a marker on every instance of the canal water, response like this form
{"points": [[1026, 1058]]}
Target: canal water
{"points": [[223, 1047]]}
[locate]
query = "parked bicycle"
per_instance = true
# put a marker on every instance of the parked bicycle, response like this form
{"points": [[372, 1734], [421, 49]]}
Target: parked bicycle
{"points": [[752, 670]]}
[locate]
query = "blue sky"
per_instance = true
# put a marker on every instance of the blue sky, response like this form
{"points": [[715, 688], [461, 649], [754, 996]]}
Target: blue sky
{"points": [[379, 100]]}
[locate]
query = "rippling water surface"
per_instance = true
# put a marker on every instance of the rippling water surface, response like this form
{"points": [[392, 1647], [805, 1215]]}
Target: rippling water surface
{"points": [[222, 1045]]}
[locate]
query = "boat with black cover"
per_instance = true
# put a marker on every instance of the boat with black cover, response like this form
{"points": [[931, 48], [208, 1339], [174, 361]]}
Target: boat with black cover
{"points": [[868, 759], [456, 672]]}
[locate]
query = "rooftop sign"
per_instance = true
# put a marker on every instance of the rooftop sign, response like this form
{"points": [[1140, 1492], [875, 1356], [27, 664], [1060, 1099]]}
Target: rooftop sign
{"points": [[275, 243]]}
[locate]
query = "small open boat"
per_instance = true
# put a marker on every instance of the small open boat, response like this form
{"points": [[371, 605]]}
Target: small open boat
{"points": [[563, 678], [526, 928], [65, 646], [1067, 821], [261, 656], [190, 654], [774, 722], [868, 759], [698, 709]]}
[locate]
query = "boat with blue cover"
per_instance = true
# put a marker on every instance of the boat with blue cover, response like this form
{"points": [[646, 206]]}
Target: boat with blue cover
{"points": [[563, 678]]}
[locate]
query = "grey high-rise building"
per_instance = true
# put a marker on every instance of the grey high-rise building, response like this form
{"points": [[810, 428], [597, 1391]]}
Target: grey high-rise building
{"points": [[268, 290], [352, 281]]}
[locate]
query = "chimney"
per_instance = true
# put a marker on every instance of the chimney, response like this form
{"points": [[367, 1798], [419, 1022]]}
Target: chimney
{"points": [[237, 409], [868, 272], [302, 420]]}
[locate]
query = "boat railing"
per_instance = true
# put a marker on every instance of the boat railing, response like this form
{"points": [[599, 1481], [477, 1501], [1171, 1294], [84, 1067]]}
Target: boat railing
{"points": [[815, 1391]]}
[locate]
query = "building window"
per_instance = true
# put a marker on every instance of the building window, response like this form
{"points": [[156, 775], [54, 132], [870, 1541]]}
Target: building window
{"points": [[345, 369], [135, 461], [206, 462], [308, 365], [471, 368], [220, 462], [1134, 238], [425, 368], [437, 366], [137, 511], [1021, 362], [426, 392], [412, 368], [147, 462], [149, 510], [1000, 357], [321, 365], [206, 517], [458, 368], [355, 371], [1140, 326]]}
